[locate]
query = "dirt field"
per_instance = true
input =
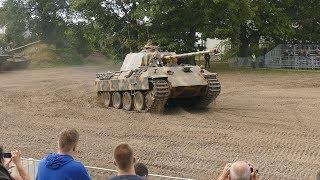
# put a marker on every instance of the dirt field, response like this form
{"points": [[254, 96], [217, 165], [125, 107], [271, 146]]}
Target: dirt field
{"points": [[270, 120]]}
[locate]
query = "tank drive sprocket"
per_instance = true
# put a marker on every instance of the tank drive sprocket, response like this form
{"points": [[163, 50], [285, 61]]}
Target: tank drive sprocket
{"points": [[212, 92], [157, 97]]}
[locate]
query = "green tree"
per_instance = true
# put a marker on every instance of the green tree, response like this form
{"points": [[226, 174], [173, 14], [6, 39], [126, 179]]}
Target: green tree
{"points": [[115, 23], [48, 21], [245, 22], [174, 23], [306, 21], [14, 17], [76, 39]]}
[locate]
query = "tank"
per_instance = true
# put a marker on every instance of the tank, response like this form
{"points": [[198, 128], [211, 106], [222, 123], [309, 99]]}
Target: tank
{"points": [[10, 61], [149, 79]]}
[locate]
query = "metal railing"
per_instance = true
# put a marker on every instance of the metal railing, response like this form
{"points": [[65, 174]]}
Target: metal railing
{"points": [[96, 173], [294, 56]]}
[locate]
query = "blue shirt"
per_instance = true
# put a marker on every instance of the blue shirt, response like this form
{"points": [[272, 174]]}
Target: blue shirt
{"points": [[61, 167]]}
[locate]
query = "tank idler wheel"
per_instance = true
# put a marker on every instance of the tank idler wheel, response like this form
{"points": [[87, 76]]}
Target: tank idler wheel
{"points": [[117, 100], [106, 97], [149, 100], [127, 101], [139, 101]]}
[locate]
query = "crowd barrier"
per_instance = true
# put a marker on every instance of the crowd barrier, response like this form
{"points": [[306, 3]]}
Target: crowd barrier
{"points": [[96, 173], [294, 57]]}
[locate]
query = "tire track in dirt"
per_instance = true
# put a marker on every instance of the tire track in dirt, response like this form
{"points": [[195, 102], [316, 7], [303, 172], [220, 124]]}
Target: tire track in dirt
{"points": [[268, 120]]}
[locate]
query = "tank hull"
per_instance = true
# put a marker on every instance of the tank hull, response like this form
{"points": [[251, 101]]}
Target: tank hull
{"points": [[14, 64]]}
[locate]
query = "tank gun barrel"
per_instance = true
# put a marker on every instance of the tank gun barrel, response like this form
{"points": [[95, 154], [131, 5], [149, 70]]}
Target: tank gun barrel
{"points": [[189, 54], [22, 47]]}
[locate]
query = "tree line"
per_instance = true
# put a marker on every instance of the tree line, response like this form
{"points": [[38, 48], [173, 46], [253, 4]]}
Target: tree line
{"points": [[116, 27]]}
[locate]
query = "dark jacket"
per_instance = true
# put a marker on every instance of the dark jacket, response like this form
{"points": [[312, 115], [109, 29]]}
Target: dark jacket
{"points": [[4, 174]]}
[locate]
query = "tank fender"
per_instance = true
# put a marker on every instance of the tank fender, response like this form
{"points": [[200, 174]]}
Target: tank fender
{"points": [[159, 77], [141, 83], [210, 75], [129, 75]]}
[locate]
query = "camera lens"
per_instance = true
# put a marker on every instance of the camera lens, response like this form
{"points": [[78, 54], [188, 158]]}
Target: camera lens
{"points": [[6, 155], [251, 168]]}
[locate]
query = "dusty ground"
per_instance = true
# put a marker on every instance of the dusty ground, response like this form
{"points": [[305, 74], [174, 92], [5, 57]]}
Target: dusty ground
{"points": [[269, 120]]}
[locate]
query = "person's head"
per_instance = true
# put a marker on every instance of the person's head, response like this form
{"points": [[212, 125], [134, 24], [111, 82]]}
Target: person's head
{"points": [[124, 158], [240, 171], [141, 169], [149, 42], [68, 141]]}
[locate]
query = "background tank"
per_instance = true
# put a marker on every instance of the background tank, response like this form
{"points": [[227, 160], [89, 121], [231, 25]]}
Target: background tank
{"points": [[148, 79], [9, 61]]}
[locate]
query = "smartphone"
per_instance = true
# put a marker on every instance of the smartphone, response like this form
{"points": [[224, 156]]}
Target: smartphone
{"points": [[6, 155]]}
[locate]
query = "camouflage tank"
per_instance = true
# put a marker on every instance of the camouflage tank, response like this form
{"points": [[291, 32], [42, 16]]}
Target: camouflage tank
{"points": [[9, 61], [148, 79]]}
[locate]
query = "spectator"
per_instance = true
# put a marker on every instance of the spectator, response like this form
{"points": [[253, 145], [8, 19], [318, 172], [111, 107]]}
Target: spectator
{"points": [[286, 52], [253, 61], [16, 159], [62, 165], [125, 160], [141, 170], [207, 58], [10, 46], [318, 51], [238, 171]]}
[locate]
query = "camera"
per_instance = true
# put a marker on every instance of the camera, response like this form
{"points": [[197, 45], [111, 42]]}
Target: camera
{"points": [[251, 168], [6, 155]]}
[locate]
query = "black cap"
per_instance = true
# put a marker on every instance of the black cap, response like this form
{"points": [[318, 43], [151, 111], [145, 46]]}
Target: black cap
{"points": [[141, 169]]}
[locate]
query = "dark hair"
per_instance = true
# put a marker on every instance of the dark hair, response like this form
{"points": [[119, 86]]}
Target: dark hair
{"points": [[123, 155], [1, 157], [141, 169], [4, 171], [67, 139]]}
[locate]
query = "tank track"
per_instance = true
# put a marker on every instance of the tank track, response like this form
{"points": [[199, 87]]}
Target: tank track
{"points": [[160, 95], [212, 92]]}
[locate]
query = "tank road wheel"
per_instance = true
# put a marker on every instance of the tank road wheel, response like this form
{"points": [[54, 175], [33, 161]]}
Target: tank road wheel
{"points": [[106, 97], [149, 100], [99, 97], [139, 101], [127, 101], [117, 100]]}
